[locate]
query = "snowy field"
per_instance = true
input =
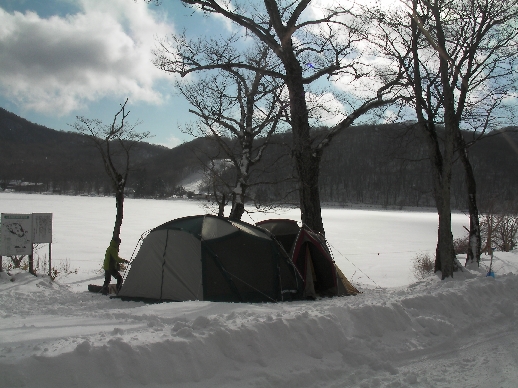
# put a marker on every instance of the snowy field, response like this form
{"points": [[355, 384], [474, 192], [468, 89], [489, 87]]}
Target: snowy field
{"points": [[399, 332]]}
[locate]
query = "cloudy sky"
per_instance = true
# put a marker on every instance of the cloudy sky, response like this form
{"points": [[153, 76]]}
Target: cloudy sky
{"points": [[64, 58]]}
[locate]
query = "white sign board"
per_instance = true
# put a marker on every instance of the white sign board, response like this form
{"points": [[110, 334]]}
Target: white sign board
{"points": [[41, 228], [15, 234]]}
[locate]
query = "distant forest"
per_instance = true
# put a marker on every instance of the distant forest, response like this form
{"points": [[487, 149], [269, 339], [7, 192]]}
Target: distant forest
{"points": [[383, 165]]}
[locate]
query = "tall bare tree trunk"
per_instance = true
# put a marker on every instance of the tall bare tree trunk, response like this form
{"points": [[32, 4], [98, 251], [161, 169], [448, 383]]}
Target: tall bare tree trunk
{"points": [[308, 170], [307, 160], [475, 243], [221, 205], [441, 174], [443, 161], [445, 252]]}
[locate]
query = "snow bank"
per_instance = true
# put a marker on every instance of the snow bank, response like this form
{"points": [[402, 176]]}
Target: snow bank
{"points": [[421, 335]]}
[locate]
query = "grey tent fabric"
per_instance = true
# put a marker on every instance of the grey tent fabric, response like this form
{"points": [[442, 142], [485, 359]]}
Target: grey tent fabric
{"points": [[167, 266], [211, 258], [182, 268], [148, 264]]}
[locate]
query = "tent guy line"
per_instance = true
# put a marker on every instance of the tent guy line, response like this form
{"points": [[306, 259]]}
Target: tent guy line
{"points": [[354, 265]]}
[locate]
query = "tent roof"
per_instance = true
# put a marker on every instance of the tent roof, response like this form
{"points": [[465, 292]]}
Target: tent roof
{"points": [[279, 227], [210, 227], [191, 224]]}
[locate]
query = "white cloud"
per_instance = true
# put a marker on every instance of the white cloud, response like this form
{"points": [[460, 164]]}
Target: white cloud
{"points": [[171, 142], [226, 22], [390, 116], [325, 109], [58, 65], [319, 8], [365, 56]]}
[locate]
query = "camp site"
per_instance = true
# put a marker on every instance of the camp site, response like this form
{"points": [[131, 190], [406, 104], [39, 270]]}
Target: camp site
{"points": [[258, 193], [221, 260], [397, 331]]}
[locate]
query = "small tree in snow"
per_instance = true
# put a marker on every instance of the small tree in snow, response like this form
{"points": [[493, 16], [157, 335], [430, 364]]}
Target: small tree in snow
{"points": [[422, 266], [500, 231], [114, 142]]}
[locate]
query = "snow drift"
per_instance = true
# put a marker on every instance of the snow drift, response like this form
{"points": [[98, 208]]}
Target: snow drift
{"points": [[459, 332]]}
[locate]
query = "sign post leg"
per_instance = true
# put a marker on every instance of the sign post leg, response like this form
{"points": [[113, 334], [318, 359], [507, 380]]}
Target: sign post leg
{"points": [[50, 259], [31, 261]]}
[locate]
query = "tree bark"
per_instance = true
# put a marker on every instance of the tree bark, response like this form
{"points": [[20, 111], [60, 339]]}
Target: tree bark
{"points": [[308, 170], [307, 160], [442, 183], [238, 199], [238, 209], [475, 243], [119, 204], [445, 252], [442, 192], [221, 205]]}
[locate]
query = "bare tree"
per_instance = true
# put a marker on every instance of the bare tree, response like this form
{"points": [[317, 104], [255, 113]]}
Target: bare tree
{"points": [[306, 51], [457, 57], [236, 107], [500, 231], [115, 143], [505, 234], [499, 226], [476, 45], [216, 184]]}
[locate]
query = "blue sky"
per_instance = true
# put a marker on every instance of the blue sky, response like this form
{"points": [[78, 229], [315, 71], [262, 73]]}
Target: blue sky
{"points": [[65, 58]]}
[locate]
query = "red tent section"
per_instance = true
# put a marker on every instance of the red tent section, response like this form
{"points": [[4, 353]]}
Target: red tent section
{"points": [[309, 252]]}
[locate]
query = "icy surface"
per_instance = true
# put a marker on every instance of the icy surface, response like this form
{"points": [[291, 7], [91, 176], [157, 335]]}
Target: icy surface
{"points": [[399, 332]]}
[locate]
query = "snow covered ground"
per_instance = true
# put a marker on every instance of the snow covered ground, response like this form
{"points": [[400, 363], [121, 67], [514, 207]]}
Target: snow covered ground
{"points": [[399, 332]]}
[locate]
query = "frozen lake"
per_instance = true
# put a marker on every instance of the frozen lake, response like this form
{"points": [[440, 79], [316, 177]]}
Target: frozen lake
{"points": [[372, 247]]}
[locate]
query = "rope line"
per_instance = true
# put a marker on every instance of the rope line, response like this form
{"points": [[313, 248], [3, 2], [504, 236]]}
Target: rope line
{"points": [[329, 246], [495, 261], [354, 265], [380, 253], [138, 245]]}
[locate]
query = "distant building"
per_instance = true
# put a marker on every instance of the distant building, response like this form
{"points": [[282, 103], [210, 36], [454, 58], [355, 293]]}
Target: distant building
{"points": [[31, 187]]}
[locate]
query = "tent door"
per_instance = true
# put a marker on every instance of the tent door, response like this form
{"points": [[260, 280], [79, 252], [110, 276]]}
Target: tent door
{"points": [[309, 290]]}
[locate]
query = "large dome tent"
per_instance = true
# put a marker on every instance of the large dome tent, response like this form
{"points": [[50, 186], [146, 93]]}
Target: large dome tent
{"points": [[211, 258]]}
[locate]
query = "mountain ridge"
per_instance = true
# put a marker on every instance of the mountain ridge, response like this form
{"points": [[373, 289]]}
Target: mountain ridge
{"points": [[384, 164]]}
